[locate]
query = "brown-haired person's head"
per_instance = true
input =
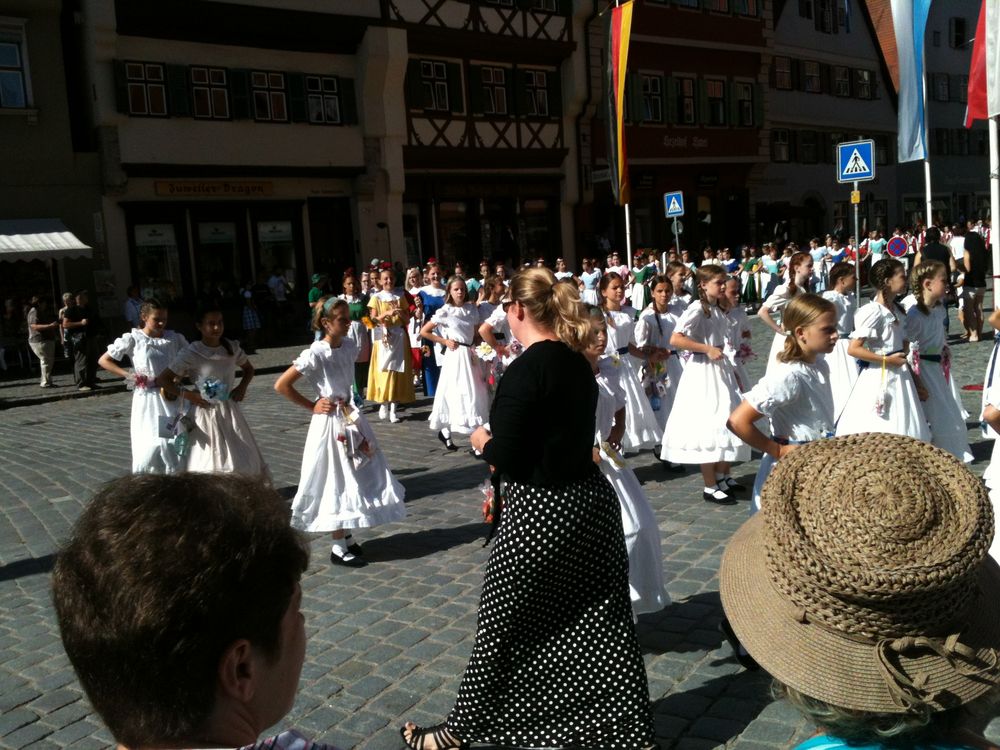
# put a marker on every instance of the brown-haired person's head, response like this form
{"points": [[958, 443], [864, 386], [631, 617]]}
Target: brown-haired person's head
{"points": [[549, 307], [178, 605]]}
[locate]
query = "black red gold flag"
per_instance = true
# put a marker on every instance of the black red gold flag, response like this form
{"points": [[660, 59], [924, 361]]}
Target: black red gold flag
{"points": [[619, 26]]}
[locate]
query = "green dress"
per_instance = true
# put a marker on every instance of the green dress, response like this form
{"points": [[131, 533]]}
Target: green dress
{"points": [[750, 294]]}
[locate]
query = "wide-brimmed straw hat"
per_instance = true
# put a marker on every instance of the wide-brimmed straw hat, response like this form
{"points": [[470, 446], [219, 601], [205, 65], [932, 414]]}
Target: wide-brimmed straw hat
{"points": [[864, 582]]}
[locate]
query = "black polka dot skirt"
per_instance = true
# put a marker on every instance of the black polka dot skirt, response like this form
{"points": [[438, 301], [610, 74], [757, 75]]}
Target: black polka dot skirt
{"points": [[556, 662]]}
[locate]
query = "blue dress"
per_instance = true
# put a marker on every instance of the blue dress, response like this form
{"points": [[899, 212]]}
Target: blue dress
{"points": [[433, 299], [827, 742]]}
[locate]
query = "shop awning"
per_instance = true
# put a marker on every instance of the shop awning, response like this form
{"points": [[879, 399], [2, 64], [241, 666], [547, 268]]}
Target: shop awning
{"points": [[39, 239]]}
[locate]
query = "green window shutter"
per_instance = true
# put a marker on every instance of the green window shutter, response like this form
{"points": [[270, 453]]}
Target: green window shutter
{"points": [[476, 90], [348, 101], [633, 83], [825, 78], [121, 87], [554, 89], [758, 105], [734, 105], [876, 94], [703, 113], [670, 99], [297, 109], [239, 90], [797, 79], [793, 143], [565, 7], [456, 102], [414, 85], [178, 91], [521, 101]]}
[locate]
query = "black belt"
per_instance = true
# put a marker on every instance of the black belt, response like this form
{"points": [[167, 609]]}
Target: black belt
{"points": [[864, 364], [930, 357], [622, 350]]}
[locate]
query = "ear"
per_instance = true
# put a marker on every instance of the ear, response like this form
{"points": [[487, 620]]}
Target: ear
{"points": [[237, 674]]}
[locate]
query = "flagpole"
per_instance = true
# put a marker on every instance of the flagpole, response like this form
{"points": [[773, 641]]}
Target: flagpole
{"points": [[994, 205], [628, 236], [927, 162]]}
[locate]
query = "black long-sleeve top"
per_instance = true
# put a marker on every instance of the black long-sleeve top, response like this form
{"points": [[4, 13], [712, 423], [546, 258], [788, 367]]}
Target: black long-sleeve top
{"points": [[543, 417]]}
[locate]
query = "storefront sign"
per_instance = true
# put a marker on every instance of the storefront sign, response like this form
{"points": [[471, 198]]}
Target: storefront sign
{"points": [[274, 231], [213, 188], [216, 233], [154, 235], [684, 142]]}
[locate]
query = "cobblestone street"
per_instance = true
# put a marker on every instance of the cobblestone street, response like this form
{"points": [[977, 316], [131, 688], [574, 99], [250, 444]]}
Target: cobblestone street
{"points": [[387, 642]]}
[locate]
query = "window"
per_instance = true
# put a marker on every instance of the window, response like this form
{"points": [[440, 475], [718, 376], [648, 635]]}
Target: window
{"points": [[957, 37], [939, 137], [959, 142], [209, 94], [863, 80], [880, 214], [549, 6], [685, 101], [746, 7], [13, 69], [783, 73], [147, 92], [825, 16], [494, 91], [963, 89], [269, 104], [840, 209], [806, 9], [808, 153], [536, 93], [687, 3], [652, 99], [941, 88], [720, 6], [435, 85], [323, 98], [882, 149], [715, 93], [779, 145], [978, 143], [744, 104], [810, 76], [841, 80]]}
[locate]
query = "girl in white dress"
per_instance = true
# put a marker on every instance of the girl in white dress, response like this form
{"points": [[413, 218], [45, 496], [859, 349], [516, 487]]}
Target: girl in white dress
{"points": [[641, 428], [696, 427], [662, 367], [462, 400], [151, 349], [642, 533], [930, 359], [344, 482], [795, 395], [738, 349], [843, 367], [359, 333], [221, 440], [800, 268], [590, 278], [885, 397]]}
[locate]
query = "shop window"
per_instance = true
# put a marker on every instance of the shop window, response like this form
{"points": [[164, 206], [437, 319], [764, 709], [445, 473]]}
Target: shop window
{"points": [[536, 93], [157, 262], [744, 104], [783, 73], [810, 76], [209, 93], [324, 100], [434, 76], [779, 145], [652, 99], [494, 90], [216, 256], [276, 248], [14, 88], [841, 80], [535, 215], [269, 98], [715, 95], [686, 101], [147, 91]]}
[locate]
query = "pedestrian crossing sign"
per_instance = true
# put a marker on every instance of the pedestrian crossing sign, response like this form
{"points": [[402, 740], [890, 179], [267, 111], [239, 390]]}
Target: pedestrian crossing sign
{"points": [[856, 161], [673, 204]]}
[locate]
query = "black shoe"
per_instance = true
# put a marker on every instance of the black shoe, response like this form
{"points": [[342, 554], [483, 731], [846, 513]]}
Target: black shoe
{"points": [[354, 562], [732, 486], [718, 497], [447, 442], [673, 468], [744, 658], [353, 547]]}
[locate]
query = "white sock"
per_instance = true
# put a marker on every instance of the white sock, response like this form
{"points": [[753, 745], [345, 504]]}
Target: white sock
{"points": [[711, 490], [340, 546], [446, 432], [392, 407]]}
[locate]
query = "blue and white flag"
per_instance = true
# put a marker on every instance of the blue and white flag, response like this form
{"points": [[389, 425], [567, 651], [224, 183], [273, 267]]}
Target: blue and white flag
{"points": [[909, 17]]}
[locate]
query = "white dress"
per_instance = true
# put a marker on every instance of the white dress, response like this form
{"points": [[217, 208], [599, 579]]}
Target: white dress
{"points": [[462, 399], [843, 367], [883, 400], [738, 349], [991, 475], [696, 430], [590, 281], [344, 482], [642, 533], [221, 441], [926, 335], [642, 431], [359, 332], [655, 329], [775, 305], [151, 454], [797, 400], [908, 302]]}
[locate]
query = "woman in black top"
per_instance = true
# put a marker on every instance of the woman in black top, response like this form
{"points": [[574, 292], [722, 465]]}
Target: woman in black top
{"points": [[556, 662]]}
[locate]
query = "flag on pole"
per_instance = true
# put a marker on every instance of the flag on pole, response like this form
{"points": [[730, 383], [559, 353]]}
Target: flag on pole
{"points": [[984, 70], [618, 28], [909, 19], [847, 16]]}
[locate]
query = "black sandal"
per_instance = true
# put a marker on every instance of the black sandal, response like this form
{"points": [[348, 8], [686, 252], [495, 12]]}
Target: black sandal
{"points": [[442, 736]]}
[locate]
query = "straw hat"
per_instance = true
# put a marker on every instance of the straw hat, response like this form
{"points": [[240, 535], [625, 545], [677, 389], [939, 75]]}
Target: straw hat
{"points": [[865, 582]]}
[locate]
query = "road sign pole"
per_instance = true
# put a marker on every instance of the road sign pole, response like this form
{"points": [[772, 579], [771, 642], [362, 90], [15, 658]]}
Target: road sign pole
{"points": [[857, 250], [628, 237], [677, 239]]}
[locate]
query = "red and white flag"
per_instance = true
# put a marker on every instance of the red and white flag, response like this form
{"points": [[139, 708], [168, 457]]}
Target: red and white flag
{"points": [[984, 70]]}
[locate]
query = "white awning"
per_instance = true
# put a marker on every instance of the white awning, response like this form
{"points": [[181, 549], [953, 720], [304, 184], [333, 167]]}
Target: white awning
{"points": [[38, 239]]}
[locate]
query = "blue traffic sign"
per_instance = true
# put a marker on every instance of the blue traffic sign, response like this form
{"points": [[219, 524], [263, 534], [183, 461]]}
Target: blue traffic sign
{"points": [[673, 204], [856, 161]]}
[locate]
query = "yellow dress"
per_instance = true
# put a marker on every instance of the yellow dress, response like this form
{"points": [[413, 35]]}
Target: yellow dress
{"points": [[390, 376]]}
